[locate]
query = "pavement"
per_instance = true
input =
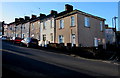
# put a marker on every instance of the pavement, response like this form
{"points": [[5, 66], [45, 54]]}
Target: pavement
{"points": [[36, 63]]}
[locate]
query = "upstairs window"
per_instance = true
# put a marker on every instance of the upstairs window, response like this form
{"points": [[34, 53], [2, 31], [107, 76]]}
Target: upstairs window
{"points": [[61, 24], [101, 26], [72, 21], [51, 23], [87, 22], [32, 26], [44, 25]]}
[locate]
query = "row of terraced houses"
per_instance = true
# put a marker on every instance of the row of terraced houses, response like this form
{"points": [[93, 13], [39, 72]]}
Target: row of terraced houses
{"points": [[69, 27]]}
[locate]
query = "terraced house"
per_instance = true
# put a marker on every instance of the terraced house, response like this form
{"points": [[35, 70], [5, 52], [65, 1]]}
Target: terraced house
{"points": [[77, 28], [35, 27], [70, 27], [47, 27], [10, 31]]}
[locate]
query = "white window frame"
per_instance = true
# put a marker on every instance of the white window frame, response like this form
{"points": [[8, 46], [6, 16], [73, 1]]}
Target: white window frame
{"points": [[72, 21], [87, 21], [61, 24]]}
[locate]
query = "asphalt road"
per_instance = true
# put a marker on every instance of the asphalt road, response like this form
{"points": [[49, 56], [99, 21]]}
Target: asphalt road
{"points": [[25, 62]]}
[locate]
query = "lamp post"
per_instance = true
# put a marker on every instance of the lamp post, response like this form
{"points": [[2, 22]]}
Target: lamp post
{"points": [[114, 24]]}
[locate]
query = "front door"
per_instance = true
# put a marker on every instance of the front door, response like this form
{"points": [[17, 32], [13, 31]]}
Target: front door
{"points": [[73, 39]]}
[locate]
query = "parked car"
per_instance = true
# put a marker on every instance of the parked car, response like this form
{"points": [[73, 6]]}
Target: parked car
{"points": [[16, 40], [30, 42], [3, 37]]}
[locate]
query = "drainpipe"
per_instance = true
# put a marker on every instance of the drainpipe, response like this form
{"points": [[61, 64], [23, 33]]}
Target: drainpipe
{"points": [[29, 29]]}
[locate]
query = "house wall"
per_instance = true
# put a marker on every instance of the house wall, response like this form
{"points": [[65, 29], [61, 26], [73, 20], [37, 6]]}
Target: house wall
{"points": [[87, 34], [48, 29], [18, 30], [10, 30], [84, 36], [35, 30], [25, 29], [67, 30]]}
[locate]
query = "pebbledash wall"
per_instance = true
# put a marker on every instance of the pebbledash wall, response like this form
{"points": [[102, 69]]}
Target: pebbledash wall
{"points": [[67, 27]]}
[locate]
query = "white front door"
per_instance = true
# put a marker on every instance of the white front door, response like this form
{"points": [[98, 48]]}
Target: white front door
{"points": [[95, 42], [73, 39]]}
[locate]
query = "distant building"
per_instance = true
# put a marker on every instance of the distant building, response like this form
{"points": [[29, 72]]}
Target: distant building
{"points": [[110, 35], [1, 28]]}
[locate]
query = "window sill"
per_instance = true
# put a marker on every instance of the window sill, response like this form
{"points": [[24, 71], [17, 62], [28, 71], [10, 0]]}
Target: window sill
{"points": [[73, 26], [87, 26], [61, 28]]}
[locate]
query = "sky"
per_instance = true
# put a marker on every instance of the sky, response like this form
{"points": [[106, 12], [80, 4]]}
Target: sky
{"points": [[12, 10]]}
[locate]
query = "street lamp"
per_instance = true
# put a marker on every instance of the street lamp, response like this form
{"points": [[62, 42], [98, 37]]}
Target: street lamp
{"points": [[114, 24]]}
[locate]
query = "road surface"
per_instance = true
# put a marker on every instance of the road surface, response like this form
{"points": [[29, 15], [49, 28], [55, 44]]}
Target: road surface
{"points": [[35, 63]]}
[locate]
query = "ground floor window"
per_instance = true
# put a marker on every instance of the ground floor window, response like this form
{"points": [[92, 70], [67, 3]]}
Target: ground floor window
{"points": [[61, 39], [51, 36], [44, 37]]}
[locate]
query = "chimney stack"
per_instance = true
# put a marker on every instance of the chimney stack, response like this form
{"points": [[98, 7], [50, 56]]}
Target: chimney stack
{"points": [[21, 20], [42, 15], [53, 12], [27, 18], [33, 16], [68, 7], [16, 20]]}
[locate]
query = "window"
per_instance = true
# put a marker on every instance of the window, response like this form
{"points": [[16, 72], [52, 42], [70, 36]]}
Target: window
{"points": [[23, 26], [44, 25], [101, 26], [72, 21], [23, 35], [32, 26], [51, 36], [44, 37], [61, 24], [61, 39], [87, 21]]}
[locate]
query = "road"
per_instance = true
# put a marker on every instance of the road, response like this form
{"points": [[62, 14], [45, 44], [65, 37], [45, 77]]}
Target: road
{"points": [[25, 62]]}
